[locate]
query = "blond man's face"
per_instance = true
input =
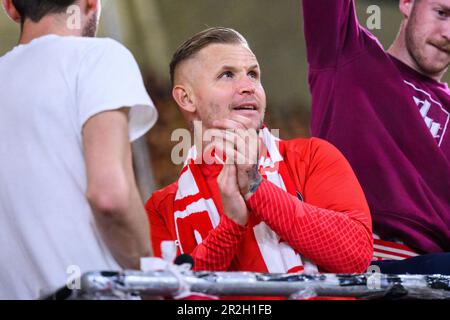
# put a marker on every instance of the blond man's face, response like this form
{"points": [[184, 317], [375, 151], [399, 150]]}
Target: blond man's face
{"points": [[226, 80]]}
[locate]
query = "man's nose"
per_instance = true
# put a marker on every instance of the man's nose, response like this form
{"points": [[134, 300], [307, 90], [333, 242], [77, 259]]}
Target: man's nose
{"points": [[445, 31], [246, 85]]}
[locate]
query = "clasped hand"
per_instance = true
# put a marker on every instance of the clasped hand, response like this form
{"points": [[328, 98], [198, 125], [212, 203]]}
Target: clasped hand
{"points": [[236, 145]]}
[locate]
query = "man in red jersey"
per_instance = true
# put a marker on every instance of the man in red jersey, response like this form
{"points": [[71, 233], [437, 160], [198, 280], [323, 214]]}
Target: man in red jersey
{"points": [[283, 206]]}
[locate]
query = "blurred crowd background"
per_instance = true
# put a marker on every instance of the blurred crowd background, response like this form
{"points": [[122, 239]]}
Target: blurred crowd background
{"points": [[153, 29]]}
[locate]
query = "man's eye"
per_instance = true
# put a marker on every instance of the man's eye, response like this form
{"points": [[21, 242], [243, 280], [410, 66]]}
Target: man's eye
{"points": [[442, 13], [226, 74], [253, 74]]}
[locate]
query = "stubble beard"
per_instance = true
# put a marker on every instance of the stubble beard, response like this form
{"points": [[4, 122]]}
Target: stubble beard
{"points": [[416, 47], [90, 29]]}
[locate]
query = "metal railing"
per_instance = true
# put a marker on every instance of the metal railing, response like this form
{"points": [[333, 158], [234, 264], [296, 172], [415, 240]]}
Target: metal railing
{"points": [[172, 283]]}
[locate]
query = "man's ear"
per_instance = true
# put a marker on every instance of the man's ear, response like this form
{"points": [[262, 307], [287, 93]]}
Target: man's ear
{"points": [[92, 6], [406, 7], [11, 11], [184, 98]]}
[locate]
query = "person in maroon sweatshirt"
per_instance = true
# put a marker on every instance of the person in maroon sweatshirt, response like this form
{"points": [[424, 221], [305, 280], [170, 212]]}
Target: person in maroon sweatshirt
{"points": [[389, 113]]}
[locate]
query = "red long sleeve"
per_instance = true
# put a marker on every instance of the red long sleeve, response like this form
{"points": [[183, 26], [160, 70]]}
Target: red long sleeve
{"points": [[335, 241], [217, 251]]}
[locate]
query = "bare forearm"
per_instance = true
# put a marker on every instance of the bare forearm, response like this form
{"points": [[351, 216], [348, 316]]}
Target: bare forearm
{"points": [[126, 232], [111, 187]]}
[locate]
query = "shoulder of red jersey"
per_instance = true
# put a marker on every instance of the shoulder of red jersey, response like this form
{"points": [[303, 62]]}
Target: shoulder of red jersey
{"points": [[308, 146], [159, 197]]}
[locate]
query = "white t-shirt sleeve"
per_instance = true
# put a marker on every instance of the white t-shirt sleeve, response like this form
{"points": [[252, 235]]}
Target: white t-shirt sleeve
{"points": [[108, 79]]}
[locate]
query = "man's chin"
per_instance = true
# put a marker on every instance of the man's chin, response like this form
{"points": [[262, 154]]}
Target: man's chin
{"points": [[258, 125], [254, 116], [431, 64], [435, 62], [434, 69]]}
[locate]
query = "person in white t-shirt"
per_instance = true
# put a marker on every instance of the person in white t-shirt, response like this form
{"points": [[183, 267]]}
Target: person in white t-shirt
{"points": [[69, 106]]}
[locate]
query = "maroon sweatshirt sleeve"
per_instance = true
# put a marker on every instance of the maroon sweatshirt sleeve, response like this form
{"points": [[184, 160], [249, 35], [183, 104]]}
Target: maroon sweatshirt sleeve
{"points": [[332, 32]]}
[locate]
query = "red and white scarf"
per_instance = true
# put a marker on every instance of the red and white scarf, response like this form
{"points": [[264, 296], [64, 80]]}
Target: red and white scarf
{"points": [[196, 210]]}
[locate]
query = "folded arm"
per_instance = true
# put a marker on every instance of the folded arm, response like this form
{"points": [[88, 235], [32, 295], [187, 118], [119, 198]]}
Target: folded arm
{"points": [[333, 227], [335, 241]]}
